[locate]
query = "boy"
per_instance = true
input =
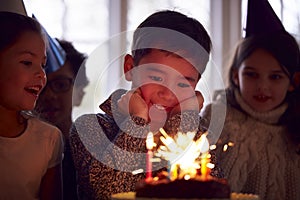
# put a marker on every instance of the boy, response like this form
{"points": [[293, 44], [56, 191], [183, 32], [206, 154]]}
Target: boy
{"points": [[169, 53]]}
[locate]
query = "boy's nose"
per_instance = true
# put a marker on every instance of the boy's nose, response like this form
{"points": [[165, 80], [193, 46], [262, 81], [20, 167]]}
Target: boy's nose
{"points": [[166, 94]]}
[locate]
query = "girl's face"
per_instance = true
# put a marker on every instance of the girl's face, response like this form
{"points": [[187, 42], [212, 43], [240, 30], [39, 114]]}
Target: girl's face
{"points": [[165, 80], [22, 75], [262, 82]]}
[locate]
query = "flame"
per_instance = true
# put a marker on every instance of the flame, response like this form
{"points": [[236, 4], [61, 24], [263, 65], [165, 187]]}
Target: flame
{"points": [[203, 143], [183, 153], [229, 144], [150, 141]]}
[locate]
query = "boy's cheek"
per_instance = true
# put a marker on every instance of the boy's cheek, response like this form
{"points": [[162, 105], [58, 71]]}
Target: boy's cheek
{"points": [[183, 96]]}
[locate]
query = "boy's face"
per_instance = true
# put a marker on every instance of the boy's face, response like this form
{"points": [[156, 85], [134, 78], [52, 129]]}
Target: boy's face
{"points": [[164, 79]]}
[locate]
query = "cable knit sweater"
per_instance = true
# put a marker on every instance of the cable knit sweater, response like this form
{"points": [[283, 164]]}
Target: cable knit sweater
{"points": [[108, 147], [263, 159]]}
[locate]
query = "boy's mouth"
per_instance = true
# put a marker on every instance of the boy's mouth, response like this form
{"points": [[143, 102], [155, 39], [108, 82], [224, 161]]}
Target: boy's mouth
{"points": [[160, 107], [158, 113]]}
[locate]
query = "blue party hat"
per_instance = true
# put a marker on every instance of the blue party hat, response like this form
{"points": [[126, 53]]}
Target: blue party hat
{"points": [[56, 56]]}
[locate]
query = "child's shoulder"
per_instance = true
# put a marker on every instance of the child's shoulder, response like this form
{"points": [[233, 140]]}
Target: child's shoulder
{"points": [[39, 123], [89, 124], [44, 128], [86, 120]]}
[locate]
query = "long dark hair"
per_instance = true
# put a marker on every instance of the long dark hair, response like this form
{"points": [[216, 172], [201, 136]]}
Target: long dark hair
{"points": [[13, 25], [281, 45]]}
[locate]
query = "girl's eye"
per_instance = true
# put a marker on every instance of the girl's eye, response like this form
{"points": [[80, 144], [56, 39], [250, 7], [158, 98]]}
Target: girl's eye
{"points": [[250, 74], [27, 63], [183, 85], [155, 78], [275, 76]]}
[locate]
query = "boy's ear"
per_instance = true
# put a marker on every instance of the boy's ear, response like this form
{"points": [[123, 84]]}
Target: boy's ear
{"points": [[128, 65]]}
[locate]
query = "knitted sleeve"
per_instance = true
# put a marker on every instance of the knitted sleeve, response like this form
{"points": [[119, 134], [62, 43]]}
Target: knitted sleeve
{"points": [[105, 167]]}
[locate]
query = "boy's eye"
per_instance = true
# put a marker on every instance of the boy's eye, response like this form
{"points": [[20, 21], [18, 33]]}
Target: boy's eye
{"points": [[155, 78], [183, 85]]}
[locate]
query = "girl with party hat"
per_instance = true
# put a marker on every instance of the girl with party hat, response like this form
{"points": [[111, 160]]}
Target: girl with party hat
{"points": [[263, 157]]}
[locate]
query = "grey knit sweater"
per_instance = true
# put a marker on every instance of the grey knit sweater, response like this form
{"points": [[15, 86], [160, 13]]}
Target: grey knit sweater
{"points": [[263, 159], [107, 147]]}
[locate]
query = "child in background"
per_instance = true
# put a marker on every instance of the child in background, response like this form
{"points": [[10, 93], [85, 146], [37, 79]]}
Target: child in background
{"points": [[55, 105], [263, 158], [169, 53], [31, 150]]}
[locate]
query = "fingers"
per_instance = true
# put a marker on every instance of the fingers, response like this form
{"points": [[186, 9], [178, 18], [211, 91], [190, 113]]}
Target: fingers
{"points": [[123, 103], [132, 103], [137, 91], [195, 102]]}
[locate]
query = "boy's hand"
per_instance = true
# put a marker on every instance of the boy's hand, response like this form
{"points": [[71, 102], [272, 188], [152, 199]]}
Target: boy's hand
{"points": [[193, 103], [132, 103]]}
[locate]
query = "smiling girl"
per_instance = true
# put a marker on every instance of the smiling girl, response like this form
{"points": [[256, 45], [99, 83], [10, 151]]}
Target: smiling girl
{"points": [[263, 159], [31, 150]]}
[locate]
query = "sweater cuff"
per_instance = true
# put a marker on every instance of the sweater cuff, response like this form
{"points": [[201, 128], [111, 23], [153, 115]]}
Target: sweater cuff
{"points": [[133, 134], [186, 121]]}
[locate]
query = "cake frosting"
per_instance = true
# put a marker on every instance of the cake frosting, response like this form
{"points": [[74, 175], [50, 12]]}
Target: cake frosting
{"points": [[195, 188], [132, 196]]}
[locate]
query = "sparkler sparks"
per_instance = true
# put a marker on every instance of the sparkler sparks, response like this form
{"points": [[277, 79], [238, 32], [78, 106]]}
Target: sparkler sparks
{"points": [[185, 155]]}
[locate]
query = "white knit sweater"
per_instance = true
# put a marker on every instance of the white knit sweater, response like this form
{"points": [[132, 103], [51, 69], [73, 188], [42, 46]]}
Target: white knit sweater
{"points": [[263, 159]]}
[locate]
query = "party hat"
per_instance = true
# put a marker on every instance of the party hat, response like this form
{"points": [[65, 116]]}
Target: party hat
{"points": [[56, 56], [15, 6], [261, 18]]}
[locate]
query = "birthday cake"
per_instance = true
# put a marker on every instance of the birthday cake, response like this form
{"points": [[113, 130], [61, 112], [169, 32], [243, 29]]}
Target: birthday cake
{"points": [[132, 196], [195, 188], [188, 175]]}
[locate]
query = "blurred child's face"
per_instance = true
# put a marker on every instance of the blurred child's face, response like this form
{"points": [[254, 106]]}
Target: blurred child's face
{"points": [[263, 83], [55, 102], [22, 76], [165, 80]]}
